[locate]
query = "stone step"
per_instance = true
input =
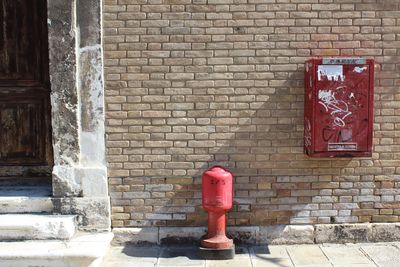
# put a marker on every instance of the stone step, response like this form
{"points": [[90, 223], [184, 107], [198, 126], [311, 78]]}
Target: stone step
{"points": [[25, 199], [25, 181], [86, 249], [36, 227], [26, 191], [20, 204]]}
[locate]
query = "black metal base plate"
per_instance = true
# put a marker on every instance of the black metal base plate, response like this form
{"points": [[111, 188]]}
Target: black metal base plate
{"points": [[217, 254]]}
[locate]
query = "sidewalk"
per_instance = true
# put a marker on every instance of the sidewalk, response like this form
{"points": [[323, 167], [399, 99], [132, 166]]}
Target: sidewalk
{"points": [[348, 255]]}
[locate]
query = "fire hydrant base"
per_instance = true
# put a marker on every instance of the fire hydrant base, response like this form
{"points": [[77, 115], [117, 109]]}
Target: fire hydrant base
{"points": [[219, 241], [217, 254]]}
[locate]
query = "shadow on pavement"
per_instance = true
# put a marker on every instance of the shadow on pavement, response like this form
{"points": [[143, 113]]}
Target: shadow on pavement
{"points": [[142, 251], [263, 253], [188, 251]]}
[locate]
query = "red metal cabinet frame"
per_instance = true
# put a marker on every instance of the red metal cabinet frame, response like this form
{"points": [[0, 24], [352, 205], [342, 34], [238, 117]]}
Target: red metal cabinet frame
{"points": [[338, 107]]}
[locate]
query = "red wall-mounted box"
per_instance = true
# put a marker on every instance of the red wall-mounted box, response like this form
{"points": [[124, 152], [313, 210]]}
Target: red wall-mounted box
{"points": [[338, 107]]}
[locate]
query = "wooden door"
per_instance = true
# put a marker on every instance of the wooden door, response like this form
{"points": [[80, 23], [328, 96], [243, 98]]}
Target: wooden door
{"points": [[25, 131]]}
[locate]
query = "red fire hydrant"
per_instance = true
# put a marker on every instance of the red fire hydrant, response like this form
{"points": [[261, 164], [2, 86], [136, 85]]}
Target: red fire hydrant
{"points": [[217, 191]]}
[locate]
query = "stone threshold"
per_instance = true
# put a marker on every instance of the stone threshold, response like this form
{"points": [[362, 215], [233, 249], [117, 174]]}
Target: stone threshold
{"points": [[274, 234]]}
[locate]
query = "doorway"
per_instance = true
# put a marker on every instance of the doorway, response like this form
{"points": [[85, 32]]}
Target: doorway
{"points": [[26, 155]]}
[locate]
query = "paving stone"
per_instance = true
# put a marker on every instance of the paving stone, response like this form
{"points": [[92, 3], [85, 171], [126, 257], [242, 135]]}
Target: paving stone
{"points": [[388, 264], [383, 255], [396, 244], [272, 263], [355, 265], [229, 263], [337, 255], [180, 256], [346, 256], [242, 252], [242, 259], [120, 263], [308, 255], [131, 256], [270, 256]]}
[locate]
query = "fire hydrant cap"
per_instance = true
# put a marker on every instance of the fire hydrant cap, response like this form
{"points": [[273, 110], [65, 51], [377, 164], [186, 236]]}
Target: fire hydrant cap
{"points": [[221, 171]]}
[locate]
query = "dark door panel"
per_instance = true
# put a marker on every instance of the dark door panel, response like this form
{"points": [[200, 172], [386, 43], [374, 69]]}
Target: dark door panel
{"points": [[22, 130], [22, 43], [25, 132]]}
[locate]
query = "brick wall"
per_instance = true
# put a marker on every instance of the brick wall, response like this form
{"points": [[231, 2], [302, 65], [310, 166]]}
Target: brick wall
{"points": [[193, 83]]}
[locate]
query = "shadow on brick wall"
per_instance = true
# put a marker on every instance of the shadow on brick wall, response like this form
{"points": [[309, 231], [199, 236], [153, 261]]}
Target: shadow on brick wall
{"points": [[260, 139]]}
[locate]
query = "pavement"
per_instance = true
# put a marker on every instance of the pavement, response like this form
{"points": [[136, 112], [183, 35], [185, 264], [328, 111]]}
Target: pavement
{"points": [[322, 255]]}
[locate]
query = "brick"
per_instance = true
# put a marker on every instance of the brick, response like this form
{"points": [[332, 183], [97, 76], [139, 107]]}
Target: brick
{"points": [[346, 44], [192, 83], [158, 187], [156, 114], [325, 6]]}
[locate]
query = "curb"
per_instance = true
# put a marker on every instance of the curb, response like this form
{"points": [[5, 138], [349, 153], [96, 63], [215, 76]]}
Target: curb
{"points": [[274, 234]]}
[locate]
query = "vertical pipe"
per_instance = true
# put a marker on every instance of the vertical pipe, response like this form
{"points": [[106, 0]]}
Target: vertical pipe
{"points": [[216, 224]]}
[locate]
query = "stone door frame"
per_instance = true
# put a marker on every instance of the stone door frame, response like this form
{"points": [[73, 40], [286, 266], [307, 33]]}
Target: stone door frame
{"points": [[78, 114]]}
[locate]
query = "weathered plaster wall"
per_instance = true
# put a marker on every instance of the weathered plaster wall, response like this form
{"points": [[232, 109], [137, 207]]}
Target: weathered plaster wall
{"points": [[192, 83], [76, 70]]}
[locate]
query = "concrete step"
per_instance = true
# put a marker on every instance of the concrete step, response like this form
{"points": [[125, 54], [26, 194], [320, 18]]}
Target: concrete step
{"points": [[85, 249], [36, 227]]}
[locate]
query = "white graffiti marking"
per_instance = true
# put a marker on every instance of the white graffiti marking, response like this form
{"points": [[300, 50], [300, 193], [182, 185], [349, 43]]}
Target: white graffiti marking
{"points": [[337, 108], [307, 133]]}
